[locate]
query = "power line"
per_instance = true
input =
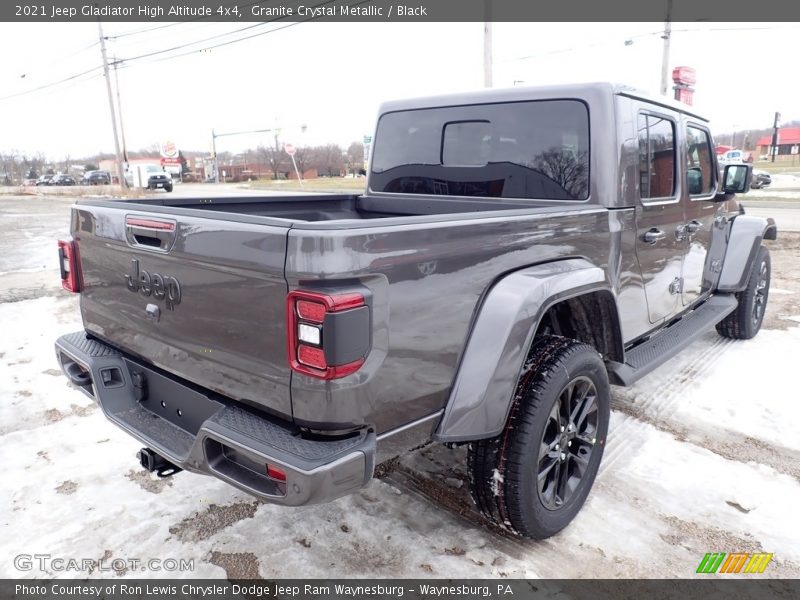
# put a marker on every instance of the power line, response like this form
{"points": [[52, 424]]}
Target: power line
{"points": [[51, 84], [229, 42], [651, 34], [124, 63], [146, 30], [157, 27], [60, 59], [187, 44]]}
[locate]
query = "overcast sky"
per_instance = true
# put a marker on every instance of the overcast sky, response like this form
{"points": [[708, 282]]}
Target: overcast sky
{"points": [[331, 77]]}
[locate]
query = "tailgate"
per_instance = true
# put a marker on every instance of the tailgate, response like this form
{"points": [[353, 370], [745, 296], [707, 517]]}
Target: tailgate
{"points": [[202, 298]]}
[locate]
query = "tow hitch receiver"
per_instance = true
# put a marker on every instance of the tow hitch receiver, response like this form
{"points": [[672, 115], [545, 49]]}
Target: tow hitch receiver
{"points": [[156, 464]]}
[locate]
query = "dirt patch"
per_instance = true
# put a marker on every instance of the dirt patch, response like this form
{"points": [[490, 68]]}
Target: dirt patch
{"points": [[785, 278], [83, 411], [737, 506], [701, 539], [385, 559], [695, 536], [67, 487], [237, 565], [215, 518], [53, 415], [53, 372], [147, 482], [24, 393]]}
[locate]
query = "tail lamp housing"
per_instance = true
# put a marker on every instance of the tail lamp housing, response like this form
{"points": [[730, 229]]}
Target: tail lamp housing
{"points": [[328, 333], [69, 265]]}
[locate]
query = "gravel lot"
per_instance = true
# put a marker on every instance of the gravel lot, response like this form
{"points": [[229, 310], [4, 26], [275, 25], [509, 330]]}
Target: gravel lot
{"points": [[703, 455]]}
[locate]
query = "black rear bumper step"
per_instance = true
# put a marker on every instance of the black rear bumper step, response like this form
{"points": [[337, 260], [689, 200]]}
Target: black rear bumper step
{"points": [[203, 433], [644, 358]]}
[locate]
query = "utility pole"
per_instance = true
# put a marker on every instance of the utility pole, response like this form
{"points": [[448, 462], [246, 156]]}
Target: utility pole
{"points": [[775, 135], [487, 54], [120, 173], [487, 44], [665, 54], [119, 108], [214, 155]]}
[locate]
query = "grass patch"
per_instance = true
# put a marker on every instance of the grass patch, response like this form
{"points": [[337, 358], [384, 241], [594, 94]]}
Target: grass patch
{"points": [[321, 184]]}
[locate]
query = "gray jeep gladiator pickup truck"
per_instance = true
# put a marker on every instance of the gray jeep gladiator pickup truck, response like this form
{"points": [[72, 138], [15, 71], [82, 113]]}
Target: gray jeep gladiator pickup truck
{"points": [[515, 253]]}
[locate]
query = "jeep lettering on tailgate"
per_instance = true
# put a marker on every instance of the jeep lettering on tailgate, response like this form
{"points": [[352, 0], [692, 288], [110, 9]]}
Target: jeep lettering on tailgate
{"points": [[159, 286]]}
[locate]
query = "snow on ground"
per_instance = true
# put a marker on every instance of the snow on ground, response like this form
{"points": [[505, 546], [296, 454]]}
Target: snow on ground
{"points": [[702, 456]]}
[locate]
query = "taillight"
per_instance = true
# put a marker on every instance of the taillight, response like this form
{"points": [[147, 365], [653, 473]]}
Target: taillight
{"points": [[69, 265], [276, 473], [328, 334]]}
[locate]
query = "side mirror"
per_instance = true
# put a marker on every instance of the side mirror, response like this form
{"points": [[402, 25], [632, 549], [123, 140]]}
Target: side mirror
{"points": [[736, 179]]}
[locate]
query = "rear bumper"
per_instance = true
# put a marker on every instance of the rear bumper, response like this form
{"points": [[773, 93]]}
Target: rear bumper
{"points": [[204, 433]]}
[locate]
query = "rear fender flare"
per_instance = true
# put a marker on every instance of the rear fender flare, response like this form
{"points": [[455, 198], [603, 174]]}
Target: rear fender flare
{"points": [[501, 335], [744, 240]]}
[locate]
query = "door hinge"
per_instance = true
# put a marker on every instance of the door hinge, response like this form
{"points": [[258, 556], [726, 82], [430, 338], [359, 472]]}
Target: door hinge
{"points": [[676, 287]]}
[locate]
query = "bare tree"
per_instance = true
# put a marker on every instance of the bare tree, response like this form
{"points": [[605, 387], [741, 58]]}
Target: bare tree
{"points": [[355, 157], [566, 169], [303, 157], [329, 159], [275, 157]]}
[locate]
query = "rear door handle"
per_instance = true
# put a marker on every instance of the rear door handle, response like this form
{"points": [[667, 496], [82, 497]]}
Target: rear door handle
{"points": [[693, 226], [653, 235]]}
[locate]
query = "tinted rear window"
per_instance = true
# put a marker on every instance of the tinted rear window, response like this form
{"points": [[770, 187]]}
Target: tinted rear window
{"points": [[513, 150]]}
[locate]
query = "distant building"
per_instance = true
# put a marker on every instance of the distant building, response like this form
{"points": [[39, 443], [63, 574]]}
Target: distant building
{"points": [[788, 144]]}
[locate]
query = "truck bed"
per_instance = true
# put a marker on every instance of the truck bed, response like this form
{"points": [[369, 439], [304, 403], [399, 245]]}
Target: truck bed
{"points": [[330, 207], [230, 263]]}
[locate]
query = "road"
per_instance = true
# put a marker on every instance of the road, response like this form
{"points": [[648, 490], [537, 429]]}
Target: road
{"points": [[703, 455]]}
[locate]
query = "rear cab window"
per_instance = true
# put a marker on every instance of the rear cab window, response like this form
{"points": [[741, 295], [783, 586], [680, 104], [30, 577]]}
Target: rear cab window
{"points": [[657, 162], [700, 178], [532, 150]]}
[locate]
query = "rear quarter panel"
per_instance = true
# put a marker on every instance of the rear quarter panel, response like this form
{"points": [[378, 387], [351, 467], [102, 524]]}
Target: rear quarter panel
{"points": [[427, 280]]}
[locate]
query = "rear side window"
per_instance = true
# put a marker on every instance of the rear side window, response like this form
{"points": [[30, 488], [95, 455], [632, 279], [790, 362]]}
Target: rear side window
{"points": [[537, 150], [699, 162], [656, 157]]}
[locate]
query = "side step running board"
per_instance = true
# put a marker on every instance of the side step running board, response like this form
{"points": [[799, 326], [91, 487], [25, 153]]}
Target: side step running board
{"points": [[665, 344]]}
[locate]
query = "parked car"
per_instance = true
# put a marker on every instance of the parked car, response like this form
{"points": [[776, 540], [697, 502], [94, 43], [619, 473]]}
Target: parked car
{"points": [[62, 180], [735, 156], [149, 176], [760, 179], [96, 178], [261, 340], [44, 180]]}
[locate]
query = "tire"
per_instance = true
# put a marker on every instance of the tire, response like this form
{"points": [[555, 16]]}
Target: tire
{"points": [[745, 322], [168, 187], [504, 471]]}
